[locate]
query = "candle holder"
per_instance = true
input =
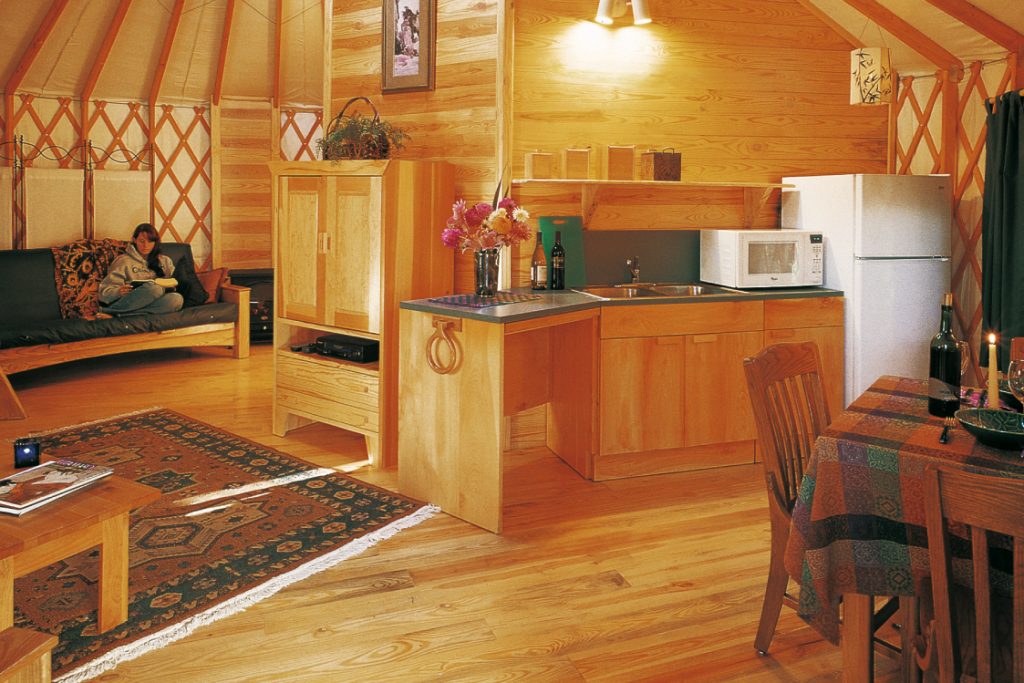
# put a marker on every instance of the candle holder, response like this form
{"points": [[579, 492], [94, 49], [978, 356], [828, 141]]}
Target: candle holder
{"points": [[26, 452]]}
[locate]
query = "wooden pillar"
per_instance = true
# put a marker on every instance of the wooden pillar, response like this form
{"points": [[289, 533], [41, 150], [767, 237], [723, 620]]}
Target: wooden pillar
{"points": [[950, 119]]}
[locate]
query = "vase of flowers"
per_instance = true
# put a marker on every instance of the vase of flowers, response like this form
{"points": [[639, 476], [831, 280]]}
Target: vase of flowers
{"points": [[484, 229]]}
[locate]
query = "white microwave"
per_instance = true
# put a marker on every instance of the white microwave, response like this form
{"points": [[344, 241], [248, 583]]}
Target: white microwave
{"points": [[761, 258]]}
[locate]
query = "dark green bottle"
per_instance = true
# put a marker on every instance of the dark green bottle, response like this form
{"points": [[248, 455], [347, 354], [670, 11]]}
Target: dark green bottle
{"points": [[558, 263], [944, 366]]}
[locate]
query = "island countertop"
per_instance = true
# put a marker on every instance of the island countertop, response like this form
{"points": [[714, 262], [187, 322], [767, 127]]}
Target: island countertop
{"points": [[568, 300]]}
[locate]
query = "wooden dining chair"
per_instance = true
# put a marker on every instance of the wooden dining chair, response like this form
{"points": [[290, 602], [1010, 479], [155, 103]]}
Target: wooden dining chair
{"points": [[984, 504], [790, 411]]}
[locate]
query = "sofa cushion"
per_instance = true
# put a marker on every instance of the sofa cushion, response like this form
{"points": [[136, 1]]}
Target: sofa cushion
{"points": [[26, 280], [60, 331], [189, 286], [212, 280], [79, 268]]}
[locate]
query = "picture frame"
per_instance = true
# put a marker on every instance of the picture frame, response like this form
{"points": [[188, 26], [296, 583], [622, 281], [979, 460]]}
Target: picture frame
{"points": [[408, 45]]}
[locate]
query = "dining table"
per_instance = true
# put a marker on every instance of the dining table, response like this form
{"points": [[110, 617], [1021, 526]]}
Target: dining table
{"points": [[858, 525]]}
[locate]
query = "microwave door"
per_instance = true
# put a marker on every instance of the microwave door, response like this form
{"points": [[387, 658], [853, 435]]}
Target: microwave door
{"points": [[770, 262]]}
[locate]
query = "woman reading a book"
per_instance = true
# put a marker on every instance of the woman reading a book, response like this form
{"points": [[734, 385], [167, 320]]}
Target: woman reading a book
{"points": [[138, 280]]}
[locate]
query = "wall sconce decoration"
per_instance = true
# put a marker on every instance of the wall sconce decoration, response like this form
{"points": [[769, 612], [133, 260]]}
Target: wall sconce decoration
{"points": [[870, 76], [610, 10]]}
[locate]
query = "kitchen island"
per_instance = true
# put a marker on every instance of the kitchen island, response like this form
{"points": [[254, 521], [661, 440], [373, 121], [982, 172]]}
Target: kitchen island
{"points": [[630, 386]]}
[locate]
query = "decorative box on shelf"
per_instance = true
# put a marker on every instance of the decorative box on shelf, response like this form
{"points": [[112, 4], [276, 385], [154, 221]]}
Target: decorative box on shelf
{"points": [[540, 165], [619, 162], [664, 165]]}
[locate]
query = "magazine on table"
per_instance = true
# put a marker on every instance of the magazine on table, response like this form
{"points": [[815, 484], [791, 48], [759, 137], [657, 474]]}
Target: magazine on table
{"points": [[29, 489]]}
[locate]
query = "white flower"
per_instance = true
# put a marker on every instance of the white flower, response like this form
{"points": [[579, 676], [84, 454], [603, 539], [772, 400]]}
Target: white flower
{"points": [[520, 215], [497, 213]]}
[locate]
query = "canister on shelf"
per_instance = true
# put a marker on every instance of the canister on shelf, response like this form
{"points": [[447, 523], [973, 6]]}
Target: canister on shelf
{"points": [[620, 161], [663, 165], [576, 163], [540, 165]]}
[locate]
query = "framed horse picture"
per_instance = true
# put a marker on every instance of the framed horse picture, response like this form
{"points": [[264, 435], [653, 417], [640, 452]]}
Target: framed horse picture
{"points": [[408, 45]]}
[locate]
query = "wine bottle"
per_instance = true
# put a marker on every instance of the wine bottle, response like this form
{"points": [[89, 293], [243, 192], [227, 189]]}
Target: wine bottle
{"points": [[558, 263], [944, 366], [539, 266]]}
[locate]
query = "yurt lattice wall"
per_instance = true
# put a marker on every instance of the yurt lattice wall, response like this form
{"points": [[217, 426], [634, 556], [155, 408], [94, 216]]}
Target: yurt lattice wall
{"points": [[919, 149], [300, 129]]}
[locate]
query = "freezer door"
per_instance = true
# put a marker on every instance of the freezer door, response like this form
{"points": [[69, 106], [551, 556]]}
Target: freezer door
{"points": [[902, 215], [892, 313]]}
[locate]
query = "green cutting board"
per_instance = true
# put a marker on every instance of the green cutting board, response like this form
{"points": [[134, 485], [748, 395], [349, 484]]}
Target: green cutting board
{"points": [[571, 228]]}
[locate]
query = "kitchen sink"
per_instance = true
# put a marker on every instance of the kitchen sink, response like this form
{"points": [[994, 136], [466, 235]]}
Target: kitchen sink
{"points": [[640, 290], [692, 290], [624, 292]]}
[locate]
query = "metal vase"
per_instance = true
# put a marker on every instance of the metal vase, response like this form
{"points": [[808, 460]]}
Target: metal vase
{"points": [[486, 269]]}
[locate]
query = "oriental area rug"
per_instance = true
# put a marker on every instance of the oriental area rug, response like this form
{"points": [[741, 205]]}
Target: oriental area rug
{"points": [[236, 523]]}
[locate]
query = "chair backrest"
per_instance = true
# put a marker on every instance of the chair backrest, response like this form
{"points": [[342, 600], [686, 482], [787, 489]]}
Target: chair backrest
{"points": [[1017, 348], [977, 504], [790, 411]]}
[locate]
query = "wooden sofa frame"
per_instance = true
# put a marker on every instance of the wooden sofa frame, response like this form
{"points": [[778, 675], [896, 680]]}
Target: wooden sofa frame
{"points": [[22, 358]]}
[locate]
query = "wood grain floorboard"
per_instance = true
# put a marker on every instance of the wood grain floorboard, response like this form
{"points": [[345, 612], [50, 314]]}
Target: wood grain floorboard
{"points": [[654, 578]]}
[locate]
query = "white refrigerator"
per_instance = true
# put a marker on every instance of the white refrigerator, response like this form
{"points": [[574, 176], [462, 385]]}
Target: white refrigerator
{"points": [[887, 247]]}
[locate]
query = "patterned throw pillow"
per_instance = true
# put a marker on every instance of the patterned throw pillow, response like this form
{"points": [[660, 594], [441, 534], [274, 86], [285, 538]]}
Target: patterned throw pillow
{"points": [[79, 268]]}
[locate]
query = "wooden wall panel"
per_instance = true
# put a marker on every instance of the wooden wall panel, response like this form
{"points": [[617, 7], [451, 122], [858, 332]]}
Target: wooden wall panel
{"points": [[744, 90], [245, 137], [458, 121]]}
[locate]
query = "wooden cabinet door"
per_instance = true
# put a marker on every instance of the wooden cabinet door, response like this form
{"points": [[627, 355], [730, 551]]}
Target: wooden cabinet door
{"points": [[641, 394], [830, 348], [717, 405], [353, 274], [300, 248]]}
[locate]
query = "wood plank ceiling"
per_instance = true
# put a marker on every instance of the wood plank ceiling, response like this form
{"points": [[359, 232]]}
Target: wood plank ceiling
{"points": [[192, 51]]}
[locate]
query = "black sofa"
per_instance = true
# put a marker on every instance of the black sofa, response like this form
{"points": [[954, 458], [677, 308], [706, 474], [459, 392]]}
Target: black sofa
{"points": [[33, 334]]}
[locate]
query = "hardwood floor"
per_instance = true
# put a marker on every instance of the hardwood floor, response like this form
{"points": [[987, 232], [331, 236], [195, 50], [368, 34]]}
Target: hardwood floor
{"points": [[654, 578]]}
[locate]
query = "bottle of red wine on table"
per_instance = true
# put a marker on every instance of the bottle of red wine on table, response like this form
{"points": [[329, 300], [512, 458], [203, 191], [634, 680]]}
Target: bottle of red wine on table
{"points": [[944, 366], [558, 263]]}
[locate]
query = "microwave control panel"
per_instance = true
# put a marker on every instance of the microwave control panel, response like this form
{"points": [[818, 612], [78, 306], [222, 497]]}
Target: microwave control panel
{"points": [[817, 250]]}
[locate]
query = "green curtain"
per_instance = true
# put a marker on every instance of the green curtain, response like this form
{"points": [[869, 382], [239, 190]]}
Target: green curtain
{"points": [[1002, 225]]}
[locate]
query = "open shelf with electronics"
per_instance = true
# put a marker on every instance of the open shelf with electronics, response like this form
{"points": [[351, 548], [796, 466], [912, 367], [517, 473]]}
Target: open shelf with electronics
{"points": [[653, 204]]}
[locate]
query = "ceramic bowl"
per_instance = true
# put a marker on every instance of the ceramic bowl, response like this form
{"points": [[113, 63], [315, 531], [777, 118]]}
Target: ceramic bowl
{"points": [[996, 428]]}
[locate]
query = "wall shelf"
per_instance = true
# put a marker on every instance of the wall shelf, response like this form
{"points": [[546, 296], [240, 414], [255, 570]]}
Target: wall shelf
{"points": [[742, 202]]}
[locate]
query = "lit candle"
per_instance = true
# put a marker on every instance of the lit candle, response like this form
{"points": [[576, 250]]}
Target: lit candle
{"points": [[993, 374]]}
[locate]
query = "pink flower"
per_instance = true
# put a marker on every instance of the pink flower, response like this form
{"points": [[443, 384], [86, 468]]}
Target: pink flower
{"points": [[458, 212], [477, 215], [508, 204], [450, 237], [519, 232]]}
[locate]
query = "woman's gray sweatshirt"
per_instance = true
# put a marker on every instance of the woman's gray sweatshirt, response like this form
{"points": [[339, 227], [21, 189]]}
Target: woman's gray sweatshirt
{"points": [[130, 265]]}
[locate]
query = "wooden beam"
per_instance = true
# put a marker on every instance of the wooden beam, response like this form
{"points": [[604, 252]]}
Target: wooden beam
{"points": [[985, 24], [27, 58], [328, 14], [225, 39], [914, 39], [950, 121], [831, 23], [101, 59], [161, 67], [278, 33]]}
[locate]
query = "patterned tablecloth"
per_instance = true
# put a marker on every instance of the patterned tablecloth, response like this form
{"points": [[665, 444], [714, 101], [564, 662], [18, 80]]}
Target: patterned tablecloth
{"points": [[858, 524]]}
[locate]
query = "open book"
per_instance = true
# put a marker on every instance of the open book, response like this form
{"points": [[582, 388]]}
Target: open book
{"points": [[166, 282], [28, 489]]}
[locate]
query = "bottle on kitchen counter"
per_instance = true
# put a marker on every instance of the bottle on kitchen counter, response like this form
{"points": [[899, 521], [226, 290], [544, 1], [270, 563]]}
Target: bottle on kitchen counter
{"points": [[558, 263], [539, 266], [944, 366]]}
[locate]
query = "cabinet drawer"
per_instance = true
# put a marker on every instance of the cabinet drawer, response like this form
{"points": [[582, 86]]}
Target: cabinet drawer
{"points": [[659, 320], [811, 312], [359, 418], [327, 380]]}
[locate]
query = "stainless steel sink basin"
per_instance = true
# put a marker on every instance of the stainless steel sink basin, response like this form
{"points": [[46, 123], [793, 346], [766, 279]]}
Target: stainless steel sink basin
{"points": [[691, 290], [639, 290], [614, 292]]}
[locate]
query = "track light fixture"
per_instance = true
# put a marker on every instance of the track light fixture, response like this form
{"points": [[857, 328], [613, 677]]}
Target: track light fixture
{"points": [[610, 10]]}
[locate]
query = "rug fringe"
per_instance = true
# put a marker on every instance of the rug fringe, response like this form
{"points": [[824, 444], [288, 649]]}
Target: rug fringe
{"points": [[244, 600], [90, 423]]}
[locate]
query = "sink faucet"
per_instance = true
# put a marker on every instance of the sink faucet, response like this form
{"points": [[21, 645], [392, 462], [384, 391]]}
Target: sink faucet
{"points": [[634, 268]]}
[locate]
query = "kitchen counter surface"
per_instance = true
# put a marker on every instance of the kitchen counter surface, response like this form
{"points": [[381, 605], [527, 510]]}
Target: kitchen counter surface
{"points": [[566, 301]]}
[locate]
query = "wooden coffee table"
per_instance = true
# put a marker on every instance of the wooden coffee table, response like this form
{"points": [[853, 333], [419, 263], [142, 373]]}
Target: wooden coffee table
{"points": [[96, 515]]}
